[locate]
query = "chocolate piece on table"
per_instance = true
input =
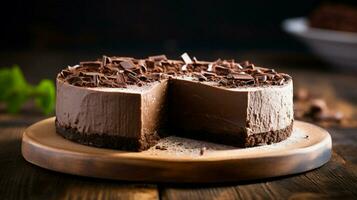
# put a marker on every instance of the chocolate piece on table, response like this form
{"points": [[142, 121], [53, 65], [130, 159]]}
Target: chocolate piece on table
{"points": [[202, 151], [318, 106]]}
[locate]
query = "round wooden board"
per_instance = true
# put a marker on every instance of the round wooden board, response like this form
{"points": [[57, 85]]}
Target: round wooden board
{"points": [[307, 148]]}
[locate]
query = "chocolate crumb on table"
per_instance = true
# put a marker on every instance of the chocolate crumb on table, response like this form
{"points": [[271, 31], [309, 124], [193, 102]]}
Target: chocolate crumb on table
{"points": [[315, 109], [159, 147], [202, 151]]}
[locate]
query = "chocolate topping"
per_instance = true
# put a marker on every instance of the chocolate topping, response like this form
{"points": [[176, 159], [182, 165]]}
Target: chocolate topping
{"points": [[118, 72]]}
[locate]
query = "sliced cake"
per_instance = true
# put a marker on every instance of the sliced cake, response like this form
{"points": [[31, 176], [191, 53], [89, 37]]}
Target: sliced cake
{"points": [[126, 103]]}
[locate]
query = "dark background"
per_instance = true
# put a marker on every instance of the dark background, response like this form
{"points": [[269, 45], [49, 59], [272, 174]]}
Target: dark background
{"points": [[45, 36], [158, 25]]}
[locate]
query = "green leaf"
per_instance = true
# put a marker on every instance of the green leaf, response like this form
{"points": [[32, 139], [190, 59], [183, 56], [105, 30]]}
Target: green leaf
{"points": [[13, 88], [46, 97], [18, 77], [15, 91]]}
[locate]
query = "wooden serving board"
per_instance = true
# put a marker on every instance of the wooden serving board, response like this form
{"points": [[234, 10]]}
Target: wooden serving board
{"points": [[179, 159]]}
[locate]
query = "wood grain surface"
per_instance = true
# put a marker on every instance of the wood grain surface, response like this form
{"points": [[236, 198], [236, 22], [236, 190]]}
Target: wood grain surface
{"points": [[335, 180]]}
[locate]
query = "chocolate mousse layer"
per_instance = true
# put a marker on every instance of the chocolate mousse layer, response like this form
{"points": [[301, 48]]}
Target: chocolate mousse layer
{"points": [[126, 103], [128, 118], [223, 114]]}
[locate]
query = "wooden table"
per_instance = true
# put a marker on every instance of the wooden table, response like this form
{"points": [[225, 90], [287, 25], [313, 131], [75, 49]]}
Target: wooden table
{"points": [[337, 179]]}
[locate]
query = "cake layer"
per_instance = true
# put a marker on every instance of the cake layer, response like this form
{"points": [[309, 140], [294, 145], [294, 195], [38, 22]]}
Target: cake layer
{"points": [[270, 108], [238, 117], [100, 112], [129, 115], [229, 113], [131, 144], [202, 108]]}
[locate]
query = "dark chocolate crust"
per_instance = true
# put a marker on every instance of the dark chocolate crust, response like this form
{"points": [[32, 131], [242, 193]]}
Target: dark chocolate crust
{"points": [[108, 141], [141, 144], [269, 137], [240, 140]]}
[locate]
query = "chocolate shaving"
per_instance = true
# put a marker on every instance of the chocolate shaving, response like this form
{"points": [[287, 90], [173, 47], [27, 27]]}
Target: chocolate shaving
{"points": [[237, 65], [262, 78], [157, 58], [220, 70], [245, 63], [95, 64], [65, 73], [251, 66], [150, 64], [128, 71], [123, 71], [209, 74], [200, 76], [281, 81], [91, 73], [104, 60], [73, 68], [120, 78], [143, 68], [127, 64], [186, 58], [210, 67], [242, 76]]}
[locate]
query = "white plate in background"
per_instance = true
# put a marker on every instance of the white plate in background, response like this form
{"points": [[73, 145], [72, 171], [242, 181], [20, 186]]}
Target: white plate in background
{"points": [[338, 48]]}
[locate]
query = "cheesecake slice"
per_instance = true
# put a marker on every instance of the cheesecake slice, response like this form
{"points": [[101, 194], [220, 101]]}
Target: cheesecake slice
{"points": [[129, 104]]}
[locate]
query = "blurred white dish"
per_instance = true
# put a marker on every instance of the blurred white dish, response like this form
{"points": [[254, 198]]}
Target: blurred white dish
{"points": [[336, 47]]}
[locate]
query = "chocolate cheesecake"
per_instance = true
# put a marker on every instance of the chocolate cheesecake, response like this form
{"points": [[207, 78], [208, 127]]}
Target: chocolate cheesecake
{"points": [[129, 104]]}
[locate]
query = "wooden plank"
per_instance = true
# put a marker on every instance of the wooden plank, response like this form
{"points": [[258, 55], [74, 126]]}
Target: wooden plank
{"points": [[336, 179], [345, 143], [22, 180], [333, 180]]}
